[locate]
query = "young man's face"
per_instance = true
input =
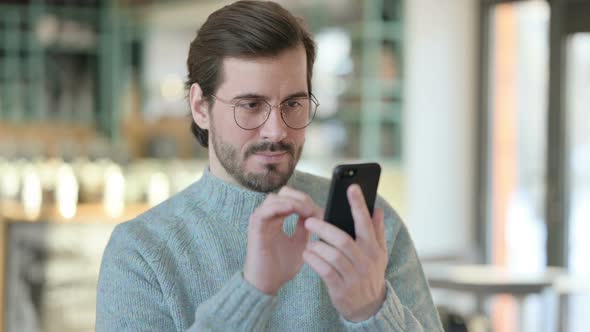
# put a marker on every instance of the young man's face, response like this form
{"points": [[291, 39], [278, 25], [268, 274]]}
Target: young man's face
{"points": [[264, 158]]}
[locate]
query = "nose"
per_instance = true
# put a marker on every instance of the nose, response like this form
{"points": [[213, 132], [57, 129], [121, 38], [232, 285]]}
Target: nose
{"points": [[274, 129]]}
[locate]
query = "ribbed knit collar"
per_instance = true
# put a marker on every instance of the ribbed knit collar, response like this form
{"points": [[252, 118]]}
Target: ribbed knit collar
{"points": [[227, 201]]}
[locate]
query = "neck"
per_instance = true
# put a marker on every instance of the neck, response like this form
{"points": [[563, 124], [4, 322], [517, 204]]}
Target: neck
{"points": [[226, 202]]}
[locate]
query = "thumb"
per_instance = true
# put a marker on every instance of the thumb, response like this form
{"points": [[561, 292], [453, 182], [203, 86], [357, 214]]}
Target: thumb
{"points": [[301, 235]]}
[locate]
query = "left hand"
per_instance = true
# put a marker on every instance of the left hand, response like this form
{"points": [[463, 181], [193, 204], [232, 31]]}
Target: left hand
{"points": [[353, 271]]}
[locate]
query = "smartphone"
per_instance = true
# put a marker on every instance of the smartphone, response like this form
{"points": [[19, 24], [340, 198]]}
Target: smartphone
{"points": [[338, 210]]}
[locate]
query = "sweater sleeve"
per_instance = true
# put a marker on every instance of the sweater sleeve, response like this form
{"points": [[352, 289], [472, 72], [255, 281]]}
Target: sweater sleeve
{"points": [[408, 304], [238, 306], [130, 297]]}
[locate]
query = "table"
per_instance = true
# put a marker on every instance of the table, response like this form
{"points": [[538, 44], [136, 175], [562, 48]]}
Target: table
{"points": [[487, 280], [565, 286]]}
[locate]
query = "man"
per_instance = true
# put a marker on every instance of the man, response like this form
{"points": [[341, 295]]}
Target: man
{"points": [[233, 252]]}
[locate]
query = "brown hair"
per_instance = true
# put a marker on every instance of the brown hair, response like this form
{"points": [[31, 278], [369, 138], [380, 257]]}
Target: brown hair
{"points": [[244, 29]]}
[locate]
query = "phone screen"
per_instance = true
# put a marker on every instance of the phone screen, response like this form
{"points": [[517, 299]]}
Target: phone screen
{"points": [[338, 210]]}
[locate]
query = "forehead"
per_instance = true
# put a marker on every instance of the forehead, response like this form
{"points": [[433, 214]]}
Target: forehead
{"points": [[266, 75]]}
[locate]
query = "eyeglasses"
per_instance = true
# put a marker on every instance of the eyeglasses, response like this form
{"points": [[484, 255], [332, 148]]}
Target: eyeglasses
{"points": [[251, 113]]}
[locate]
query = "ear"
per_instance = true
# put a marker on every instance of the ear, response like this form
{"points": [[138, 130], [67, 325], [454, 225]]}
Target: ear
{"points": [[199, 107]]}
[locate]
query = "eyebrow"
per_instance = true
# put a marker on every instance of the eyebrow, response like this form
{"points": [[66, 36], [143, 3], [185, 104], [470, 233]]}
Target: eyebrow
{"points": [[300, 94]]}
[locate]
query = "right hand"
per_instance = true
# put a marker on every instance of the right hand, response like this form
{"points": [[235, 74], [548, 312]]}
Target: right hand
{"points": [[273, 257]]}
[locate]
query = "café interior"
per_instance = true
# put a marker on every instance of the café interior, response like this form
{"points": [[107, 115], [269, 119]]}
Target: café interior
{"points": [[478, 112]]}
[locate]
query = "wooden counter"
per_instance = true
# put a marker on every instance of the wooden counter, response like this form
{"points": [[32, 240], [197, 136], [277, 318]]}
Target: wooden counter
{"points": [[12, 212], [90, 213]]}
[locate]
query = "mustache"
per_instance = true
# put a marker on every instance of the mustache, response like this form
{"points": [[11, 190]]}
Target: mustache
{"points": [[272, 147]]}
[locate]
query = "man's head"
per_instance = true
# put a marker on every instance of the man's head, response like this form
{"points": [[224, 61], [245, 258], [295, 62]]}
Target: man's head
{"points": [[250, 51]]}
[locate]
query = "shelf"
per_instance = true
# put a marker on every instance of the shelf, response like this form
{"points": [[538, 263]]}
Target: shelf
{"points": [[376, 30], [390, 90], [72, 50], [373, 102], [353, 115], [101, 33], [24, 53], [83, 12]]}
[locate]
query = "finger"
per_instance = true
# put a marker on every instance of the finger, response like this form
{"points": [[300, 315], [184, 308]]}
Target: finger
{"points": [[379, 223], [284, 204], [337, 259], [301, 234], [320, 213], [335, 237], [278, 207], [327, 273], [290, 192], [363, 226], [303, 197]]}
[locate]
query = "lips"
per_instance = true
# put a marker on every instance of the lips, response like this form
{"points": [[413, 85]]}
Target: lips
{"points": [[270, 149], [271, 154], [270, 157]]}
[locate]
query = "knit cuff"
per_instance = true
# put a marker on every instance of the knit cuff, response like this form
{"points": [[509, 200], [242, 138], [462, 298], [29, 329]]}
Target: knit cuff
{"points": [[241, 306], [388, 318]]}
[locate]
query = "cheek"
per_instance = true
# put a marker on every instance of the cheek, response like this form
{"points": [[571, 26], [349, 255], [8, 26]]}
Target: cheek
{"points": [[237, 137], [226, 129], [299, 137]]}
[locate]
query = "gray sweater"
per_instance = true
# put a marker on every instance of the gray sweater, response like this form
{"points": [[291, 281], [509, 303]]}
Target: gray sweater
{"points": [[178, 267]]}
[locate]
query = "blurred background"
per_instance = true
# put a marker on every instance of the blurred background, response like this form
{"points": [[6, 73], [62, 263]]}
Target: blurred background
{"points": [[478, 111]]}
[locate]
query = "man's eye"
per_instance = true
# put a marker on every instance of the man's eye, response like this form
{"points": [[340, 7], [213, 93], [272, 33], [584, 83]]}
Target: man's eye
{"points": [[250, 105], [293, 103]]}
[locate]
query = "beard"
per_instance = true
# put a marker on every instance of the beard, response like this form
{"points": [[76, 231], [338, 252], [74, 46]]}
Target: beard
{"points": [[271, 178]]}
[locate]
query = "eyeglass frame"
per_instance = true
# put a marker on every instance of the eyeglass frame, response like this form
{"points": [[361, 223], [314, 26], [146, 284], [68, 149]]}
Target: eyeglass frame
{"points": [[311, 98]]}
